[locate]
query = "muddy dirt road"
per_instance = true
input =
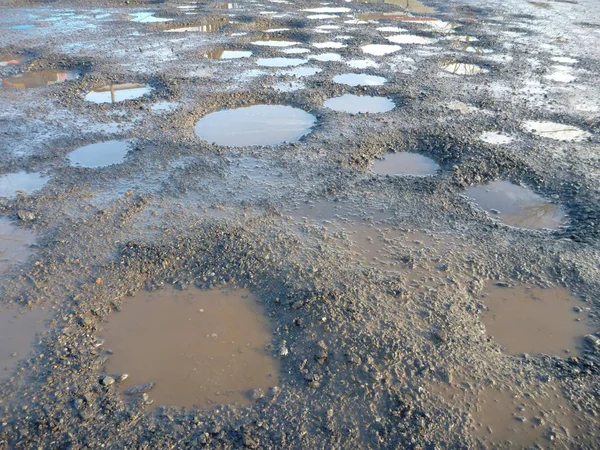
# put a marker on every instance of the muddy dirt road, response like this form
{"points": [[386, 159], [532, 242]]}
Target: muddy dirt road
{"points": [[299, 225]]}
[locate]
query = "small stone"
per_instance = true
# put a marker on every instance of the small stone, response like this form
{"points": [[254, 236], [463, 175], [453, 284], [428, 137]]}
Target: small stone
{"points": [[256, 394], [593, 340], [494, 211], [521, 419], [283, 350], [107, 381], [26, 216], [139, 389], [122, 377]]}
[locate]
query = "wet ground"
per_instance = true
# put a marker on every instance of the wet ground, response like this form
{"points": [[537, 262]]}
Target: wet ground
{"points": [[299, 225]]}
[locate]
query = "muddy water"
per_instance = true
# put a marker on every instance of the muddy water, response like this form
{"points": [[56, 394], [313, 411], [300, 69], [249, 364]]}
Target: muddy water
{"points": [[201, 348], [15, 244], [114, 93], [405, 164], [39, 78], [25, 182], [517, 205], [255, 125], [526, 319], [17, 334]]}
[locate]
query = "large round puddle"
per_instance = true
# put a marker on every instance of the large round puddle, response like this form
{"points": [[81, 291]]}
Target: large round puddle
{"points": [[191, 348], [114, 93], [25, 182], [405, 164], [355, 104], [517, 205], [39, 78], [255, 125], [100, 154], [359, 79]]}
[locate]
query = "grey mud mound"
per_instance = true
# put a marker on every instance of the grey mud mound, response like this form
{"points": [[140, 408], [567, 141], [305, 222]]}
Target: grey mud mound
{"points": [[392, 305]]}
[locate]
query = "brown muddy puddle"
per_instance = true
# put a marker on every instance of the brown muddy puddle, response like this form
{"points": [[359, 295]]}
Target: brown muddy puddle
{"points": [[15, 244], [200, 348], [526, 319], [517, 205], [405, 163], [17, 335], [39, 78], [534, 416]]}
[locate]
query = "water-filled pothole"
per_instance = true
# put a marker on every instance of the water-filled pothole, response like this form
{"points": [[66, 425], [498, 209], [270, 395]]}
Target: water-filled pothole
{"points": [[359, 79], [114, 93], [255, 125], [25, 182], [496, 138], [15, 244], [459, 68], [380, 49], [413, 6], [327, 57], [355, 104], [275, 43], [100, 154], [526, 319], [557, 131], [17, 332], [405, 163], [39, 78], [192, 348], [280, 62], [147, 17], [517, 205], [410, 39]]}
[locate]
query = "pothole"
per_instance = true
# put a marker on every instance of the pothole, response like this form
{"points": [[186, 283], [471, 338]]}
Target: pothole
{"points": [[328, 9], [275, 43], [459, 68], [255, 125], [380, 49], [526, 319], [147, 17], [557, 131], [17, 333], [413, 6], [100, 154], [295, 51], [359, 79], [192, 348], [300, 72], [114, 93], [228, 54], [210, 27], [410, 39], [496, 138], [355, 104], [517, 205], [280, 62], [39, 78], [26, 182], [327, 57], [15, 244], [329, 44], [362, 63], [405, 163]]}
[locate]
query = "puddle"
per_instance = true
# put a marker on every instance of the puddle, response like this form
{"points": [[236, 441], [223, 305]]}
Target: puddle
{"points": [[200, 348], [564, 60], [164, 106], [228, 54], [410, 39], [17, 336], [276, 30], [459, 68], [391, 29], [255, 125], [362, 63], [275, 43], [493, 137], [211, 27], [561, 76], [329, 44], [526, 319], [147, 17], [296, 51], [359, 79], [280, 62], [100, 154], [328, 9], [11, 183], [302, 72], [229, 6], [413, 6], [115, 93], [22, 27], [557, 131], [517, 205], [322, 16], [9, 61], [288, 86], [355, 104], [405, 163], [15, 245], [39, 78], [327, 57], [380, 49]]}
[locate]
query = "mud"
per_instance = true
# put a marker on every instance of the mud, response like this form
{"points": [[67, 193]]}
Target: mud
{"points": [[374, 286]]}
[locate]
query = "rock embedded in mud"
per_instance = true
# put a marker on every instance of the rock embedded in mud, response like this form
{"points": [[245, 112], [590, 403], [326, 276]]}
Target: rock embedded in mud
{"points": [[26, 216], [140, 388], [107, 381]]}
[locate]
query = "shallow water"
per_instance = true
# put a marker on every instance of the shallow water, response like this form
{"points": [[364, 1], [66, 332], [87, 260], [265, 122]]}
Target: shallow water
{"points": [[11, 183], [100, 154], [280, 62], [459, 68], [355, 104], [526, 319], [380, 49], [517, 205], [413, 6], [410, 39], [39, 78], [255, 125], [405, 163], [359, 79], [115, 93], [201, 348], [15, 244], [228, 54], [556, 131]]}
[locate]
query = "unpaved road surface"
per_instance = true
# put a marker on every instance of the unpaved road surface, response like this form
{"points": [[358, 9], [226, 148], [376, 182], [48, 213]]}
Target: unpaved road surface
{"points": [[374, 285]]}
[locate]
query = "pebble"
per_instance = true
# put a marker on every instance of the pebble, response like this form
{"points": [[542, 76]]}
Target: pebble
{"points": [[139, 389], [26, 216], [107, 381]]}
